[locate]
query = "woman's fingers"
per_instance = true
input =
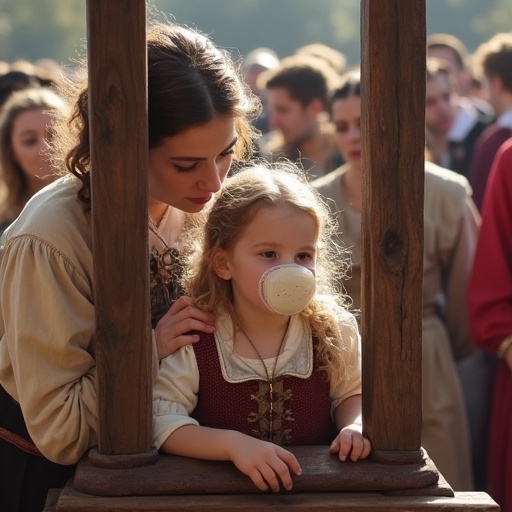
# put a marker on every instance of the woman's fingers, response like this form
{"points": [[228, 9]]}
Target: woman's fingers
{"points": [[185, 308], [173, 331]]}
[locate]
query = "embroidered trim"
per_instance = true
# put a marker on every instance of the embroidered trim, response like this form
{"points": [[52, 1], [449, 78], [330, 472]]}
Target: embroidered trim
{"points": [[279, 411], [21, 443]]}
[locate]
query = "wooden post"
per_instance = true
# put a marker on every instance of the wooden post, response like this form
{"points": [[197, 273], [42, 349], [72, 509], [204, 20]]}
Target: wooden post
{"points": [[117, 60], [393, 127]]}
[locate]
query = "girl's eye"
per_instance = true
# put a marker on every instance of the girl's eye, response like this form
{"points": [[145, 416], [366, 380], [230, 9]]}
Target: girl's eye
{"points": [[269, 254], [304, 256]]}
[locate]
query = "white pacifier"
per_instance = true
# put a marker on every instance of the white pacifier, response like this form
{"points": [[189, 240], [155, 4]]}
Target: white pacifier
{"points": [[287, 289]]}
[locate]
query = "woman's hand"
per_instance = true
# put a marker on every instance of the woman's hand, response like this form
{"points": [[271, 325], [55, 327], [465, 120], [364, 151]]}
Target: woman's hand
{"points": [[266, 464], [171, 330], [351, 443]]}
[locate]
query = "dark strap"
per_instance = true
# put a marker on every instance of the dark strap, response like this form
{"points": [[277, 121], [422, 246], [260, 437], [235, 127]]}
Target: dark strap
{"points": [[19, 442], [12, 425]]}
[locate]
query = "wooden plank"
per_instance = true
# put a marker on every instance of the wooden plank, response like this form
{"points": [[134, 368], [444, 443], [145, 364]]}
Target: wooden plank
{"points": [[321, 472], [73, 501], [117, 59], [393, 131]]}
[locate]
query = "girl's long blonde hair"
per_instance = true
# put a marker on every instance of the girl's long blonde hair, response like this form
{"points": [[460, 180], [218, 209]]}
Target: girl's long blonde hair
{"points": [[243, 194]]}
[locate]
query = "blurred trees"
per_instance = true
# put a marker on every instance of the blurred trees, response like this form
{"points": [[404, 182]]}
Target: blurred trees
{"points": [[34, 29], [56, 28]]}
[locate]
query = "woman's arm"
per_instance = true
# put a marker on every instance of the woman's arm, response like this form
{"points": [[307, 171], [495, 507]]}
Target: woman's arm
{"points": [[47, 362]]}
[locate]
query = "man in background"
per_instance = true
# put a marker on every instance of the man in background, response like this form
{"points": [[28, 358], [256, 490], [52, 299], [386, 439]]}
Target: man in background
{"points": [[453, 123], [493, 61], [297, 95]]}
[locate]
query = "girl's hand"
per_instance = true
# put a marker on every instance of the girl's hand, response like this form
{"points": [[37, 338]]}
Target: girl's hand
{"points": [[266, 464], [171, 330], [351, 443]]}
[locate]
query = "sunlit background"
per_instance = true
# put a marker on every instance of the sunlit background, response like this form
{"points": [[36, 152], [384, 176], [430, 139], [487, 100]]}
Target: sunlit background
{"points": [[35, 29]]}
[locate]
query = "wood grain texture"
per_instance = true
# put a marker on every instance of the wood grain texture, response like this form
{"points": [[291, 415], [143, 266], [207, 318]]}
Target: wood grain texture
{"points": [[116, 33], [393, 135], [73, 501], [321, 472]]}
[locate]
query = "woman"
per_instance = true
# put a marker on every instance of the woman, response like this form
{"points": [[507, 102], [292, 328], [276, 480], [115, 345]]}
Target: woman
{"points": [[450, 236], [198, 108], [25, 132]]}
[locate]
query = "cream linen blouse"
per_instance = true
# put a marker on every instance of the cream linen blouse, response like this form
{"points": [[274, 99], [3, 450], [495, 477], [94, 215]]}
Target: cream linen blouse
{"points": [[176, 389]]}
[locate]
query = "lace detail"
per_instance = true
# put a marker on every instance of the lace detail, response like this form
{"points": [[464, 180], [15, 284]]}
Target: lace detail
{"points": [[279, 412]]}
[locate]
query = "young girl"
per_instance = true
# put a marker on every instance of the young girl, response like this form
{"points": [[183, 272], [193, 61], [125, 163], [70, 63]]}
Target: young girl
{"points": [[198, 110], [283, 366]]}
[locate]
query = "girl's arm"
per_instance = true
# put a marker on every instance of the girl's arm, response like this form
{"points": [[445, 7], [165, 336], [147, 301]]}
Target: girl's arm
{"points": [[350, 442], [346, 396], [266, 464], [48, 323], [175, 432]]}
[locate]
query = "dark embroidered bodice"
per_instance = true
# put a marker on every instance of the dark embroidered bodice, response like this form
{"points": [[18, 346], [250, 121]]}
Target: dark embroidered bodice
{"points": [[301, 408]]}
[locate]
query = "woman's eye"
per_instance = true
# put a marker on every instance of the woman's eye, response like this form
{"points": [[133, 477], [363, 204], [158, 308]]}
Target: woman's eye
{"points": [[228, 152], [185, 168], [29, 142]]}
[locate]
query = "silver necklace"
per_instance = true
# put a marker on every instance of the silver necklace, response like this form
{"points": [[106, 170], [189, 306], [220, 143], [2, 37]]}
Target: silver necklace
{"points": [[270, 378], [153, 229]]}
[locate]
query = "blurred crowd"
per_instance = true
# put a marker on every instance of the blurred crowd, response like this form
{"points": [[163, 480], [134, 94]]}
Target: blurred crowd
{"points": [[311, 109], [311, 115]]}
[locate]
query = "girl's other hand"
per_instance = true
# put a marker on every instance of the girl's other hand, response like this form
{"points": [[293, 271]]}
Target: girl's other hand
{"points": [[351, 443], [173, 329]]}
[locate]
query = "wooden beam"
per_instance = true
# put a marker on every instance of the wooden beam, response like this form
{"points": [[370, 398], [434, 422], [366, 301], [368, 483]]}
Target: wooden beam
{"points": [[393, 130], [73, 501], [117, 61]]}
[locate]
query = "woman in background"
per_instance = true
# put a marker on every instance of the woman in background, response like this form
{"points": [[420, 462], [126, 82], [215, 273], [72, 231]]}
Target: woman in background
{"points": [[451, 225], [25, 132]]}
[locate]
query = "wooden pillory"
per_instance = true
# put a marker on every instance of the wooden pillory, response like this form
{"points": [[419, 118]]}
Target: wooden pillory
{"points": [[124, 473]]}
